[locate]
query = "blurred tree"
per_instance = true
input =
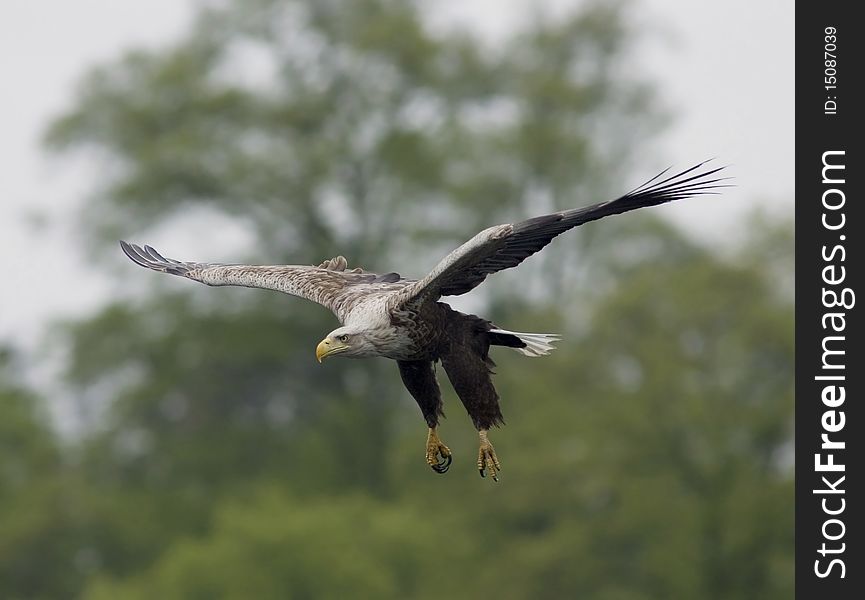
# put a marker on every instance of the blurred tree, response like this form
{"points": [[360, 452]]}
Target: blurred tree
{"points": [[27, 445], [41, 516], [220, 463], [353, 126], [285, 548]]}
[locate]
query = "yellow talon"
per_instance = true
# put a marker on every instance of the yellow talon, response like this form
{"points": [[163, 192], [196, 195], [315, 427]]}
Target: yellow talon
{"points": [[487, 459], [438, 456]]}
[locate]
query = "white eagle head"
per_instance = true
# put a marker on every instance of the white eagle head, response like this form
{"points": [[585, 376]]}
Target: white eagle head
{"points": [[348, 342]]}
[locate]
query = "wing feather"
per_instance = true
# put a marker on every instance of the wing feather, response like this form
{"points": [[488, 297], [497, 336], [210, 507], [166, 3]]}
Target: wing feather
{"points": [[506, 246], [329, 284]]}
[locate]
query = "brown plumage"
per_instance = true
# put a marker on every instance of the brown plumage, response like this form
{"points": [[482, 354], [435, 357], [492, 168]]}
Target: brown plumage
{"points": [[402, 319]]}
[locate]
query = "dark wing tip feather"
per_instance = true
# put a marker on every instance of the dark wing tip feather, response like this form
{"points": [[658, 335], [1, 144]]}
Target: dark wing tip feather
{"points": [[663, 188], [149, 258], [687, 183]]}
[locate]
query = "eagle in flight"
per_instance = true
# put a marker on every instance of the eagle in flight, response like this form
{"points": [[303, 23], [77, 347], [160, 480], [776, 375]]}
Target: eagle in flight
{"points": [[405, 320]]}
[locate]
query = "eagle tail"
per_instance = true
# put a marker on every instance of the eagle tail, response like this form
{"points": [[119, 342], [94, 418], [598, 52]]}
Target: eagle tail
{"points": [[528, 344]]}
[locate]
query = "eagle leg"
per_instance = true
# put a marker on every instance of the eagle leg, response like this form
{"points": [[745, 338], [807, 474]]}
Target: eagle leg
{"points": [[468, 367], [438, 456], [420, 380], [487, 459]]}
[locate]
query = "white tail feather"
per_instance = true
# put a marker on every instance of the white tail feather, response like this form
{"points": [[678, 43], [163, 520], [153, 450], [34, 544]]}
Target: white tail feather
{"points": [[537, 344]]}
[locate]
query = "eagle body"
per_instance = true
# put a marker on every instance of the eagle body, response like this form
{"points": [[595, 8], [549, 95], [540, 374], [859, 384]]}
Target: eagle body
{"points": [[461, 343], [427, 333], [389, 316]]}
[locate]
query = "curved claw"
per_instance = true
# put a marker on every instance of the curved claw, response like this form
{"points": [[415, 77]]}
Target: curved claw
{"points": [[493, 472], [443, 465]]}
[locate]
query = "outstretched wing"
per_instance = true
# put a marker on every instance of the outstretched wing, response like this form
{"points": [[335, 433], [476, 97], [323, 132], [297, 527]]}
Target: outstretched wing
{"points": [[329, 284], [505, 246]]}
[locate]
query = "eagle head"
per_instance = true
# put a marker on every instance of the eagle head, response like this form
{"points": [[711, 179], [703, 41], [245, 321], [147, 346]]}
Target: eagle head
{"points": [[347, 342]]}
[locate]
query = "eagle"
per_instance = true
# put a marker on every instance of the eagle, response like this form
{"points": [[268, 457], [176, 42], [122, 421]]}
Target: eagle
{"points": [[406, 321]]}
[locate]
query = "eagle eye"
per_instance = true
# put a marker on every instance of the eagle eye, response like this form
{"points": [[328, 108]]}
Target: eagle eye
{"points": [[342, 338]]}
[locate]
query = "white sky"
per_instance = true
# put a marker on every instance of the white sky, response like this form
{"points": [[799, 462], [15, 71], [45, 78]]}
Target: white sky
{"points": [[725, 67]]}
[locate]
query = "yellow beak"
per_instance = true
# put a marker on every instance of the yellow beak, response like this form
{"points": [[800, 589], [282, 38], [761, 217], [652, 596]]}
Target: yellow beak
{"points": [[326, 347]]}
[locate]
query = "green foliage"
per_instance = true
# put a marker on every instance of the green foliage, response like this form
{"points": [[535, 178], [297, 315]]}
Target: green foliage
{"points": [[37, 512], [274, 546], [648, 457]]}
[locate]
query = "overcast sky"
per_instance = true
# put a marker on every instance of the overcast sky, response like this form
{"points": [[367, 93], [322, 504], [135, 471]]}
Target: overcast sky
{"points": [[726, 68]]}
